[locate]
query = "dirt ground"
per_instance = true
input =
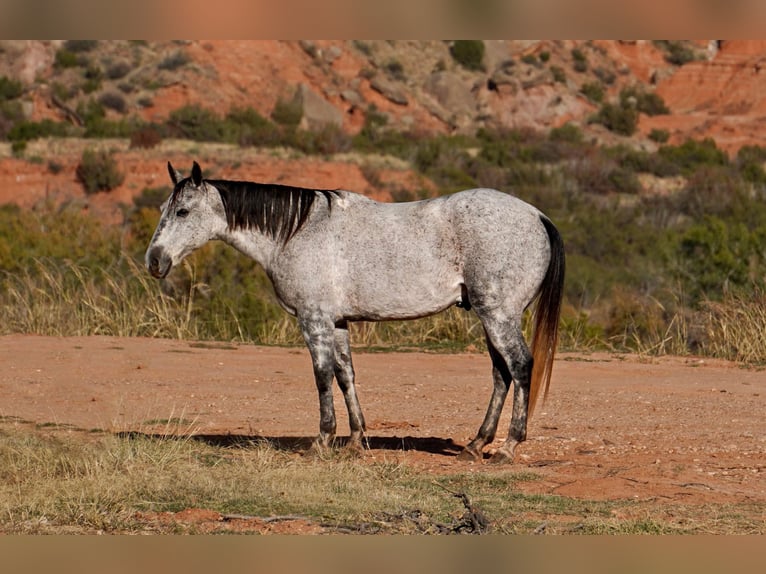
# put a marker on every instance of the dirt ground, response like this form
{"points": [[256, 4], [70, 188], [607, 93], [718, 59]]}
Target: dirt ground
{"points": [[685, 430]]}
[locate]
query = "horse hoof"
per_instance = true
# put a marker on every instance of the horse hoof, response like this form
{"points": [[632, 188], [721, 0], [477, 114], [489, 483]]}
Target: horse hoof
{"points": [[469, 455], [501, 457], [354, 449]]}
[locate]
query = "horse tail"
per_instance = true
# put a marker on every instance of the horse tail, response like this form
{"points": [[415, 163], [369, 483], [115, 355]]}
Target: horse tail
{"points": [[546, 318]]}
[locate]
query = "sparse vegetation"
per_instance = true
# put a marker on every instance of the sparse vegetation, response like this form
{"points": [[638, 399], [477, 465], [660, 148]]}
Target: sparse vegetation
{"points": [[704, 236]]}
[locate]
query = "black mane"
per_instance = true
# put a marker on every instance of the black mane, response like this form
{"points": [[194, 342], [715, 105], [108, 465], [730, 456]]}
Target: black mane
{"points": [[276, 210]]}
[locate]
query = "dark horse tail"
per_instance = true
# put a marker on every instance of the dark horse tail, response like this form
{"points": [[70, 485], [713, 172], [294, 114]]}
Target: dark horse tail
{"points": [[547, 312]]}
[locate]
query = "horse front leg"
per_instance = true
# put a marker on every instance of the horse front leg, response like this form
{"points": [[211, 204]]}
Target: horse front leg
{"points": [[318, 334], [344, 374]]}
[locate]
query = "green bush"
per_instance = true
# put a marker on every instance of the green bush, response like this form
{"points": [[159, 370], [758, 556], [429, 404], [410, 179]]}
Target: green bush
{"points": [[677, 52], [694, 153], [287, 113], [580, 60], [196, 123], [98, 171], [568, 132], [10, 89], [594, 91], [717, 256], [647, 103], [26, 130], [618, 119], [659, 135], [65, 59], [559, 75], [469, 54], [249, 128]]}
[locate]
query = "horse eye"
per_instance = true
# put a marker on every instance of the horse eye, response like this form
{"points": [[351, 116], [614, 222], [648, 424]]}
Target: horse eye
{"points": [[182, 213]]}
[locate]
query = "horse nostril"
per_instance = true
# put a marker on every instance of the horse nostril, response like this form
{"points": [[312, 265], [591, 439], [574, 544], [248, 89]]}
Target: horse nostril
{"points": [[154, 263]]}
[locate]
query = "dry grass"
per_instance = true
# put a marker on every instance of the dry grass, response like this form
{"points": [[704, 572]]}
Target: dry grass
{"points": [[69, 481], [736, 328], [52, 297], [64, 299]]}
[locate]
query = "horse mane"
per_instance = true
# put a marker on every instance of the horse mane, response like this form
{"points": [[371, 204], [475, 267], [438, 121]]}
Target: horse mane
{"points": [[279, 211]]}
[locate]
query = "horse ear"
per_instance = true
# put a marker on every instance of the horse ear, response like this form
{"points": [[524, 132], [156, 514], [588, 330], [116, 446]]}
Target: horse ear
{"points": [[175, 175], [196, 174]]}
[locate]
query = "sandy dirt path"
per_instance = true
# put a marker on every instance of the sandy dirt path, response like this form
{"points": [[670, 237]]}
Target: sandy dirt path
{"points": [[614, 427]]}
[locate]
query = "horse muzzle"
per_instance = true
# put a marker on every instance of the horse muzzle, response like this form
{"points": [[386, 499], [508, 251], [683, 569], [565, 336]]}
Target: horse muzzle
{"points": [[158, 262]]}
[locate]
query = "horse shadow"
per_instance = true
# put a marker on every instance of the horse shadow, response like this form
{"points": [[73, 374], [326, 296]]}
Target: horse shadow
{"points": [[302, 444]]}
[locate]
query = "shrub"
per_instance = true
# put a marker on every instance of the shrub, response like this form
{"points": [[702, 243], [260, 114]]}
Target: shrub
{"points": [[559, 75], [750, 160], [145, 137], [717, 256], [531, 60], [606, 76], [114, 101], [694, 153], [395, 70], [18, 148], [25, 130], [98, 171], [569, 132], [594, 91], [249, 128], [65, 59], [647, 103], [469, 54], [329, 139], [10, 89], [79, 46], [118, 70], [659, 135], [196, 123], [580, 61], [676, 52], [618, 119], [287, 113], [176, 60]]}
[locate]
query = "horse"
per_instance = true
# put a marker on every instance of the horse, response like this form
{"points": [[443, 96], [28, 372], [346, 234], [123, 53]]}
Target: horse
{"points": [[335, 257]]}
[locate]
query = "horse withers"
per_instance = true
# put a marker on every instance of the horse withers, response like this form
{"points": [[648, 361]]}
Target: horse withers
{"points": [[335, 256]]}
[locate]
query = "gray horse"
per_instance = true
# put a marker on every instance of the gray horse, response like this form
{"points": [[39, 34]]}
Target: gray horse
{"points": [[336, 256]]}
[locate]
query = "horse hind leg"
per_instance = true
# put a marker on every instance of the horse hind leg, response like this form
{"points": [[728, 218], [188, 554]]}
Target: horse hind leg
{"points": [[501, 380], [511, 364], [344, 374]]}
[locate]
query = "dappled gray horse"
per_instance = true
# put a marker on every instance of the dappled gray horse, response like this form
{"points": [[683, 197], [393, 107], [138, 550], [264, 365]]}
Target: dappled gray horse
{"points": [[336, 256]]}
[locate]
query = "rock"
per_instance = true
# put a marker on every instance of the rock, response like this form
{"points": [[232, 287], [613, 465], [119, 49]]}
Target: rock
{"points": [[352, 97], [451, 92], [317, 112], [389, 90]]}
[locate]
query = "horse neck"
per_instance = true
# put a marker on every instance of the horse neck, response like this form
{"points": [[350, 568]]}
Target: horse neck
{"points": [[254, 244]]}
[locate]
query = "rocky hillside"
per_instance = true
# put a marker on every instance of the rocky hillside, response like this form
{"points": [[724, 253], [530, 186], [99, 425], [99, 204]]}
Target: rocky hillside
{"points": [[709, 89]]}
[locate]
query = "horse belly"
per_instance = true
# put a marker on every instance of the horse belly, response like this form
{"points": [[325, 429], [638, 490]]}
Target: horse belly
{"points": [[401, 291]]}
